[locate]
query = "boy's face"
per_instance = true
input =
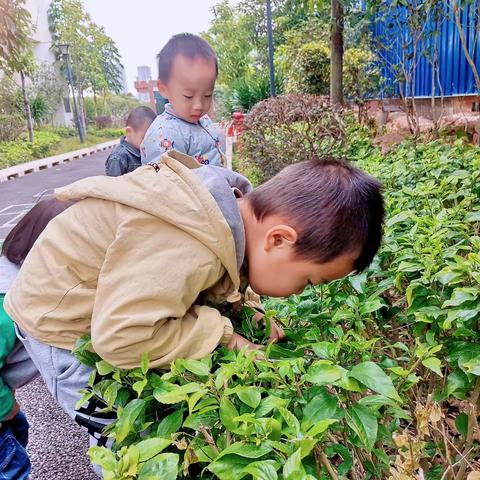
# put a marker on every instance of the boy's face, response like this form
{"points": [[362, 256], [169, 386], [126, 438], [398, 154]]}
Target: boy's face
{"points": [[280, 275], [276, 270], [189, 88], [135, 137]]}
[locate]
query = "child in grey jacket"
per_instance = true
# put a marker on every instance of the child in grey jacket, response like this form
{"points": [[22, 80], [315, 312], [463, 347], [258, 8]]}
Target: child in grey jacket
{"points": [[187, 71]]}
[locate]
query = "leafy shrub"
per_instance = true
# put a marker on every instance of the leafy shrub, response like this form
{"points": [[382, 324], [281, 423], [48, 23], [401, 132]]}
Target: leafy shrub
{"points": [[247, 91], [14, 153], [21, 151], [107, 132], [11, 126], [379, 377], [103, 121], [40, 110], [64, 132], [310, 72], [43, 143], [361, 76], [290, 128]]}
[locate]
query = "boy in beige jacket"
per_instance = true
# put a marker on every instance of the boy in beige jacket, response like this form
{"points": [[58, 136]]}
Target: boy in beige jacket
{"points": [[130, 262]]}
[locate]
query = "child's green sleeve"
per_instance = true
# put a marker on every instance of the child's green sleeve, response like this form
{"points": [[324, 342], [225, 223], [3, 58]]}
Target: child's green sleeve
{"points": [[7, 342]]}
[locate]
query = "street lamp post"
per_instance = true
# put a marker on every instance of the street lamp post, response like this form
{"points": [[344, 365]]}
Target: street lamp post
{"points": [[270, 49], [64, 49]]}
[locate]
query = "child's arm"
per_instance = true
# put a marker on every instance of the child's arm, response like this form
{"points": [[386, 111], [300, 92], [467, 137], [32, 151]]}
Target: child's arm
{"points": [[145, 301], [7, 340], [114, 166]]}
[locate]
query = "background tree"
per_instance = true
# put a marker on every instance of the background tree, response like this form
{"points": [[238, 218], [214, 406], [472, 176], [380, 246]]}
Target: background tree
{"points": [[16, 53], [94, 55]]}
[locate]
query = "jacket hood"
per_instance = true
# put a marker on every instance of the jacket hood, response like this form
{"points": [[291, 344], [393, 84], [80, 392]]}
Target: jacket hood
{"points": [[199, 200]]}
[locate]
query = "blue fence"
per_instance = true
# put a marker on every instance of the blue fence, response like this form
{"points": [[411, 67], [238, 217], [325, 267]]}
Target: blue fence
{"points": [[454, 76]]}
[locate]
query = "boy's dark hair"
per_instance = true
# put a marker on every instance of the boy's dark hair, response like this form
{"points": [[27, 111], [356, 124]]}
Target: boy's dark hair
{"points": [[140, 116], [188, 45], [21, 238], [334, 206]]}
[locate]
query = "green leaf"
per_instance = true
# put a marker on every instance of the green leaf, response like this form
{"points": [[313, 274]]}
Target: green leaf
{"points": [[461, 296], [151, 447], [164, 466], [178, 394], [262, 470], [373, 377], [270, 403], [320, 407], [104, 457], [247, 450], [461, 423], [364, 423], [293, 468], [321, 426], [327, 350], [124, 424], [434, 364], [145, 363], [196, 367], [139, 386], [229, 467], [472, 217], [170, 424], [290, 419], [323, 372], [104, 368], [251, 396], [227, 413], [203, 419]]}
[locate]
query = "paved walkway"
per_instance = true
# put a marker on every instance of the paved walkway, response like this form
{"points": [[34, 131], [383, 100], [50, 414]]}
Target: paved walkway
{"points": [[18, 195], [58, 446]]}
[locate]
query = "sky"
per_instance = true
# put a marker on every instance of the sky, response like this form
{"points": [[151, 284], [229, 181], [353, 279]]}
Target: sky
{"points": [[141, 27]]}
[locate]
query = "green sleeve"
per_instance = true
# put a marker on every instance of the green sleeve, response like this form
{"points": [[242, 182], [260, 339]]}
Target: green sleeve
{"points": [[7, 342]]}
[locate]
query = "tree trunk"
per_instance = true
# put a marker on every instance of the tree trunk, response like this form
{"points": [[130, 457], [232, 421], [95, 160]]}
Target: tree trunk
{"points": [[336, 58], [26, 105], [470, 61], [81, 111]]}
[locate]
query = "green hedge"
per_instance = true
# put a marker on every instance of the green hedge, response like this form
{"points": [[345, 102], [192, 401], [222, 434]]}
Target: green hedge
{"points": [[21, 151]]}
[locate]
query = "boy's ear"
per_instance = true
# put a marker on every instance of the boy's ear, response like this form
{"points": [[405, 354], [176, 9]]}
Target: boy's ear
{"points": [[128, 130], [280, 236], [162, 88]]}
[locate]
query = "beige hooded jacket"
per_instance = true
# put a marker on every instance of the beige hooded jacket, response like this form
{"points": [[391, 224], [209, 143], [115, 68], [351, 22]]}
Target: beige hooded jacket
{"points": [[127, 263]]}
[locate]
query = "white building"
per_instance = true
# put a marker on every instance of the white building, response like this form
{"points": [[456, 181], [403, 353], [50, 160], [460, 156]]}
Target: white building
{"points": [[42, 50]]}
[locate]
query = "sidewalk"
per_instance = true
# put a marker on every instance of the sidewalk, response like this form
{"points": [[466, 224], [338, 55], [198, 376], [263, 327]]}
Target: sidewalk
{"points": [[36, 165]]}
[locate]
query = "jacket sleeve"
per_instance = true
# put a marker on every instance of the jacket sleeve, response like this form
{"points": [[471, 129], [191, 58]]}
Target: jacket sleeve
{"points": [[145, 302], [6, 343], [114, 165], [164, 136]]}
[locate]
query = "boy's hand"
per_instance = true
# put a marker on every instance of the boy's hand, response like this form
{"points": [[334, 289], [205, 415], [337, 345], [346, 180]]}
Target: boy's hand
{"points": [[13, 412], [276, 332], [237, 342]]}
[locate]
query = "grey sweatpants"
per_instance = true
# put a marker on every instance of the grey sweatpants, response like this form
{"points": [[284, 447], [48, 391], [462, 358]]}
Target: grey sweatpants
{"points": [[63, 374]]}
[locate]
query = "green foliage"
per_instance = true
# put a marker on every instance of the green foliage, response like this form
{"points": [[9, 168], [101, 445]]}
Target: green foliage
{"points": [[371, 368], [11, 126], [106, 132], [13, 153], [40, 110], [290, 128]]}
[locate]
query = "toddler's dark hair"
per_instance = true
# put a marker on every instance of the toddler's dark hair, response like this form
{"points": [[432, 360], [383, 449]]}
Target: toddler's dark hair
{"points": [[185, 44], [23, 235], [335, 208], [140, 117]]}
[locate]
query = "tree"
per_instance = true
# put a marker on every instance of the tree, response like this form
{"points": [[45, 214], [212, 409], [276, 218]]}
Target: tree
{"points": [[16, 53], [94, 55], [465, 46], [229, 37], [336, 55]]}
